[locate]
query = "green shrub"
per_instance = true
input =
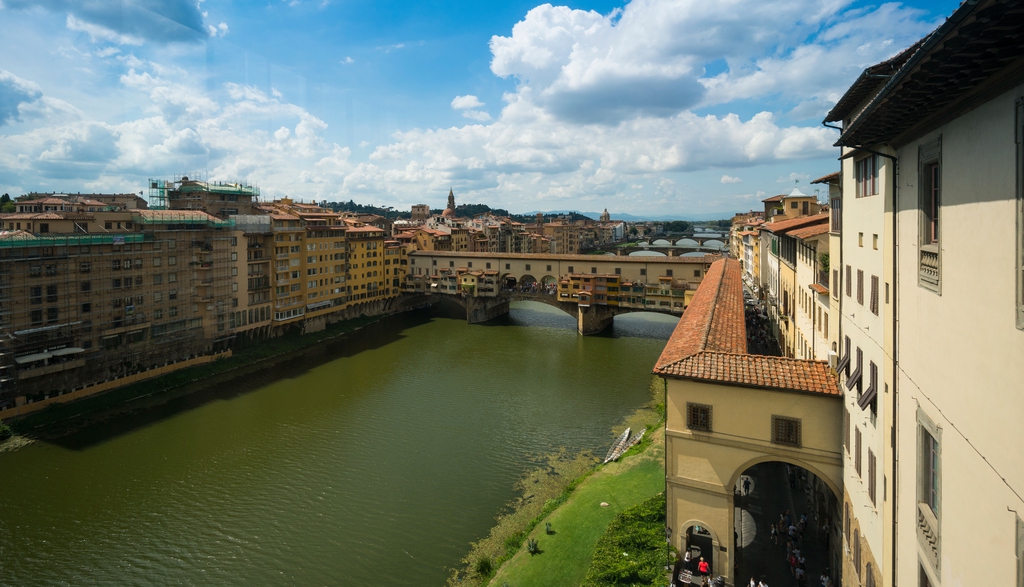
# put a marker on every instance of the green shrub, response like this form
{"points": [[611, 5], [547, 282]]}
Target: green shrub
{"points": [[532, 547], [5, 432], [632, 551], [484, 568]]}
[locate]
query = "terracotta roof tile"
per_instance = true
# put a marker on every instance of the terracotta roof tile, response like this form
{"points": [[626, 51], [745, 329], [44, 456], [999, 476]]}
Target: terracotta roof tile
{"points": [[782, 226], [827, 178], [808, 232], [777, 198], [819, 288], [710, 343]]}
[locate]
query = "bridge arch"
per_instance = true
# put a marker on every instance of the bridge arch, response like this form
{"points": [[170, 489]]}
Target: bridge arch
{"points": [[687, 242], [527, 279], [714, 244], [548, 280]]}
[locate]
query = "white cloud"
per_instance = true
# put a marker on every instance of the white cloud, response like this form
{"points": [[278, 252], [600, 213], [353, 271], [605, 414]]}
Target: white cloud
{"points": [[348, 61], [464, 102], [478, 115], [219, 30], [606, 110], [99, 33]]}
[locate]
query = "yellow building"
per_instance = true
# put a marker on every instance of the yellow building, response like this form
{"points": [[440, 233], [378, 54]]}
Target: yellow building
{"points": [[367, 280], [729, 412]]}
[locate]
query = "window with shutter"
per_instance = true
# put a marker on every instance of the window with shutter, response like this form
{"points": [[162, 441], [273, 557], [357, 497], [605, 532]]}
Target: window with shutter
{"points": [[874, 295], [856, 453], [849, 281], [871, 476], [860, 286]]}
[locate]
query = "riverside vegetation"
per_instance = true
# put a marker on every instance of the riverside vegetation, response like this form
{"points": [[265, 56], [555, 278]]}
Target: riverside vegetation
{"points": [[542, 491]]}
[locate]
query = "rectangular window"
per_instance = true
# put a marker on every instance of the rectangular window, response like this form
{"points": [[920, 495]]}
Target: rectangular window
{"points": [[929, 471], [874, 295], [849, 281], [930, 204], [785, 431], [668, 273], [1020, 223], [856, 551], [871, 476], [835, 284], [836, 212], [860, 286], [1020, 552], [857, 452], [51, 294], [867, 176], [86, 308], [846, 429], [846, 520], [698, 417]]}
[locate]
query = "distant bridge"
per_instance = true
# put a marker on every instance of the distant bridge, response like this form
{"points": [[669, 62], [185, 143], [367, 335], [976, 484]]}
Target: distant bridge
{"points": [[593, 288]]}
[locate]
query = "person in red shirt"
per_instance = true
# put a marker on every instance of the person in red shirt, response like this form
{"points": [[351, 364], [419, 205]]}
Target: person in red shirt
{"points": [[703, 568]]}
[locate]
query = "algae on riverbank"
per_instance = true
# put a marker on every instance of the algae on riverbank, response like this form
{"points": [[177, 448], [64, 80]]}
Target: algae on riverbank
{"points": [[543, 490]]}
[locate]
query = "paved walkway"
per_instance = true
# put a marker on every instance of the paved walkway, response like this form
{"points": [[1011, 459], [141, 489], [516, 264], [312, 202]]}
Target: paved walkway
{"points": [[758, 506]]}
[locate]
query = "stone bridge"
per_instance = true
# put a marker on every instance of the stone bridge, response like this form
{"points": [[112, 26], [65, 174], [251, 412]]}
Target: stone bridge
{"points": [[593, 288], [589, 319]]}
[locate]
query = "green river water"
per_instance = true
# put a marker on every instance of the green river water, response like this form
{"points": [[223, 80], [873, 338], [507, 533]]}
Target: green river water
{"points": [[370, 460]]}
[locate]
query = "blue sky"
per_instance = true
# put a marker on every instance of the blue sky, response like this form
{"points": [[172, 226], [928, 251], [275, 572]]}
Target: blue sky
{"points": [[646, 107]]}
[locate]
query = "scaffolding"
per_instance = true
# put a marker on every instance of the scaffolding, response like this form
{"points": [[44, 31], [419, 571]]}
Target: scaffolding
{"points": [[85, 308]]}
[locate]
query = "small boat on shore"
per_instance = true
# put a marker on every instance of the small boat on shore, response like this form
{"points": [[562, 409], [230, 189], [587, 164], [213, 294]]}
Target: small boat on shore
{"points": [[618, 447]]}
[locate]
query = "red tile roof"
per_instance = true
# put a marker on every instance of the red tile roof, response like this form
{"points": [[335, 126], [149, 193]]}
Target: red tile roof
{"points": [[710, 343], [808, 232], [827, 178], [819, 288], [777, 198], [782, 226]]}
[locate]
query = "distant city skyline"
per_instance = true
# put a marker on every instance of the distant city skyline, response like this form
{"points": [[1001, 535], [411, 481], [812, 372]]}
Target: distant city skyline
{"points": [[649, 108]]}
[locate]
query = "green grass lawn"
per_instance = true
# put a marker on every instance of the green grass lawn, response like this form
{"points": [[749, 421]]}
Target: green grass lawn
{"points": [[581, 521]]}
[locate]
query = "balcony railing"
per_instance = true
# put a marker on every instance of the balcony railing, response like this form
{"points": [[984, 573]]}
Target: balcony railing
{"points": [[930, 268]]}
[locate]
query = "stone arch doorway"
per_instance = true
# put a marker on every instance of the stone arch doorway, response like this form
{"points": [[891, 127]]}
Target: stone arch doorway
{"points": [[549, 280], [702, 542], [508, 281], [803, 504]]}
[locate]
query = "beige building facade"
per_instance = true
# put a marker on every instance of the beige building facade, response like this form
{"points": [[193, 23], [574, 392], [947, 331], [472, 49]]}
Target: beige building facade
{"points": [[949, 335]]}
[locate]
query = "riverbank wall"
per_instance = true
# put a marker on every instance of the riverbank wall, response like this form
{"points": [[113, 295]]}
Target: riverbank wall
{"points": [[99, 397], [94, 388]]}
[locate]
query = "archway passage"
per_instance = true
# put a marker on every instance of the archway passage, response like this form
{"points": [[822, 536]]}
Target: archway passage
{"points": [[804, 511]]}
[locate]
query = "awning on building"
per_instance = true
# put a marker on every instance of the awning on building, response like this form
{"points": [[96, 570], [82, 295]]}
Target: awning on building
{"points": [[32, 358], [67, 351]]}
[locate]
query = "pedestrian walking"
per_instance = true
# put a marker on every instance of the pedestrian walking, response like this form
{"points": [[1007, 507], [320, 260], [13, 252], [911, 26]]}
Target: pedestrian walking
{"points": [[746, 486], [703, 567], [688, 560]]}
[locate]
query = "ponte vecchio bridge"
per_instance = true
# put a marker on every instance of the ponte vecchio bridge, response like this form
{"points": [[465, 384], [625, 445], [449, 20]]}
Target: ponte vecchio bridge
{"points": [[593, 288]]}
